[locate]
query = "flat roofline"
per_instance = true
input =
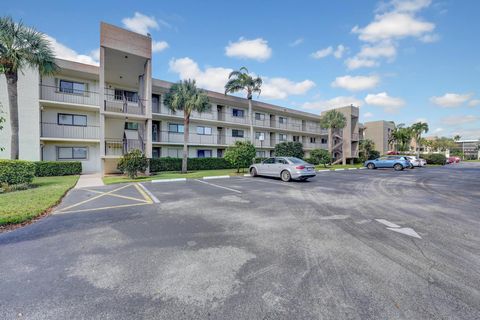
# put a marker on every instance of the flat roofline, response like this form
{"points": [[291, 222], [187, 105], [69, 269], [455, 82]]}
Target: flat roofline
{"points": [[124, 30], [77, 66]]}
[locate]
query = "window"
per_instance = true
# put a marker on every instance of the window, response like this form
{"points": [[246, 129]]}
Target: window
{"points": [[296, 138], [269, 161], [313, 140], [259, 116], [155, 103], [260, 154], [131, 125], [324, 140], [71, 87], [204, 153], [260, 136], [70, 153], [174, 153], [127, 95], [237, 133], [72, 119], [282, 120], [156, 152], [204, 130], [174, 127], [238, 113], [281, 161], [282, 137]]}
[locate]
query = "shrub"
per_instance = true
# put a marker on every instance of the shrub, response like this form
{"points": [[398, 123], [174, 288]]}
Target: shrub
{"points": [[289, 149], [374, 154], [132, 163], [16, 171], [175, 164], [57, 168], [320, 156], [241, 154], [435, 158]]}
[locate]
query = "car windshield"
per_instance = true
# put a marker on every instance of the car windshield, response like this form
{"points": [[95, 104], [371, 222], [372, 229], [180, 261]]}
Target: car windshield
{"points": [[295, 160]]}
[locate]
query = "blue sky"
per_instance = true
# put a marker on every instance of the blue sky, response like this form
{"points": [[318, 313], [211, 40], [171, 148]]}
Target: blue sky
{"points": [[401, 60]]}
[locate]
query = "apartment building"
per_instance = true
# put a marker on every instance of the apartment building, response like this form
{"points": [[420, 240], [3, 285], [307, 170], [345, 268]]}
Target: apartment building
{"points": [[379, 132], [470, 148], [95, 114]]}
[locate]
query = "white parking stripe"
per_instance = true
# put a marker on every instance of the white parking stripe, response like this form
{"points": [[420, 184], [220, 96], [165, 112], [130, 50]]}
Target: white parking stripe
{"points": [[154, 199], [218, 186], [387, 223]]}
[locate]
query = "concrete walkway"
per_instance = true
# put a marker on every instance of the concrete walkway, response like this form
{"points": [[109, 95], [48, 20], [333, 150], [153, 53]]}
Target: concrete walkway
{"points": [[89, 180]]}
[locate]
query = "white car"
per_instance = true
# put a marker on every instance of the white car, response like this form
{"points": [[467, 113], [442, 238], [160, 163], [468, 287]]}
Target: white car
{"points": [[416, 162]]}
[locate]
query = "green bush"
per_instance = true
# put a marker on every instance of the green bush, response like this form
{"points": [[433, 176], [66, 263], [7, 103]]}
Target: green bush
{"points": [[320, 156], [374, 154], [289, 149], [241, 154], [175, 164], [16, 171], [132, 163], [435, 158], [57, 168]]}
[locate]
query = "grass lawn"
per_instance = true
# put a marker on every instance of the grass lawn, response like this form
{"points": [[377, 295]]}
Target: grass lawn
{"points": [[339, 166], [20, 206], [173, 175]]}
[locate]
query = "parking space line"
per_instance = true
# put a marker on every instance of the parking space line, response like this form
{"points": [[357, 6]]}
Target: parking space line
{"points": [[109, 207], [154, 199], [143, 193], [218, 186], [116, 195], [96, 197]]}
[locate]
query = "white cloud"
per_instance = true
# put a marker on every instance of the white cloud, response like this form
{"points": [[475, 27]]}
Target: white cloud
{"points": [[140, 23], [410, 5], [63, 52], [356, 62], [337, 52], [159, 46], [256, 49], [382, 99], [337, 102], [474, 103], [429, 38], [459, 120], [297, 42], [394, 25], [356, 83], [368, 115], [384, 49], [210, 78], [281, 88], [451, 100]]}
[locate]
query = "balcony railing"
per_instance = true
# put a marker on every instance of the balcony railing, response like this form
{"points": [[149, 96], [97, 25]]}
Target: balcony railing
{"points": [[54, 130], [120, 147], [194, 138], [53, 93], [121, 104]]}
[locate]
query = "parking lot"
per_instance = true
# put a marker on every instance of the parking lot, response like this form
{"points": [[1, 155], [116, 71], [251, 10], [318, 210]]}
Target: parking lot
{"points": [[353, 244]]}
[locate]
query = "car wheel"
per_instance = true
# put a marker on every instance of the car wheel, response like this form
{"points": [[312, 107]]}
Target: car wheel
{"points": [[371, 166], [253, 172], [398, 167], [412, 166], [285, 175]]}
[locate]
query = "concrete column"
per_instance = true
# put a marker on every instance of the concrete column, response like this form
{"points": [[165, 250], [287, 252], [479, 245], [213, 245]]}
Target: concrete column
{"points": [[147, 82], [101, 98]]}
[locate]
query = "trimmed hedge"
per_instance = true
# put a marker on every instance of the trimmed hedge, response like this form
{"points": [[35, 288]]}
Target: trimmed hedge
{"points": [[434, 158], [175, 164], [57, 168], [16, 171]]}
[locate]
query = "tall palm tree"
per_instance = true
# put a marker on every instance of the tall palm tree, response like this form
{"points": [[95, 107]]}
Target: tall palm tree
{"points": [[241, 80], [457, 137], [401, 136], [185, 96], [332, 120], [417, 129], [21, 47]]}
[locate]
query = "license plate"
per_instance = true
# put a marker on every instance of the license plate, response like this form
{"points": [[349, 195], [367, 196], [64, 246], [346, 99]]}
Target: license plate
{"points": [[309, 169]]}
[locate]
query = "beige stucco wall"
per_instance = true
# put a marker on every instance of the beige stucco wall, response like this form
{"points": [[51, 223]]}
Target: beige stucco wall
{"points": [[92, 164]]}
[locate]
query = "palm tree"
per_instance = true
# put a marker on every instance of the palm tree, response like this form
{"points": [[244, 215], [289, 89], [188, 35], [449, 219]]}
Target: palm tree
{"points": [[185, 96], [21, 47], [366, 147], [332, 120], [401, 136], [417, 130], [241, 80], [457, 138]]}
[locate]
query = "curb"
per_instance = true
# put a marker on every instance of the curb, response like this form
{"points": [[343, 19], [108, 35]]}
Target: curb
{"points": [[247, 175], [216, 177], [168, 180], [154, 199]]}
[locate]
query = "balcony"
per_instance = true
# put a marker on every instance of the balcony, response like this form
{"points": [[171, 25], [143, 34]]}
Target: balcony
{"points": [[120, 147], [79, 97], [124, 105], [54, 130], [194, 138]]}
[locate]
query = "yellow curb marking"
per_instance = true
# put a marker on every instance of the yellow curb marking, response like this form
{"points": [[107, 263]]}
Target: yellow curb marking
{"points": [[105, 208], [143, 193], [117, 195]]}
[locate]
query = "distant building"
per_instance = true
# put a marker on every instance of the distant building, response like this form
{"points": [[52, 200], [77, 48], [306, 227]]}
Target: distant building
{"points": [[379, 132], [469, 148]]}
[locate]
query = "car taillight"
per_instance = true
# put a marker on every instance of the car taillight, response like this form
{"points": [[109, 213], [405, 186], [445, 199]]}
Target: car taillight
{"points": [[300, 167]]}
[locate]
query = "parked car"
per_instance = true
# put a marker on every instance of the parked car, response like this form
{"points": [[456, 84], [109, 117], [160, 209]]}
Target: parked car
{"points": [[396, 162], [392, 152], [286, 168], [416, 162], [453, 160], [423, 162]]}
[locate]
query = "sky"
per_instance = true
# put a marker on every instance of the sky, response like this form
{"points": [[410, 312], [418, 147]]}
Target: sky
{"points": [[399, 60]]}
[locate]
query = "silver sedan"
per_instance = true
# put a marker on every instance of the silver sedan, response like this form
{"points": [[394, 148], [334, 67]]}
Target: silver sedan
{"points": [[286, 168]]}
